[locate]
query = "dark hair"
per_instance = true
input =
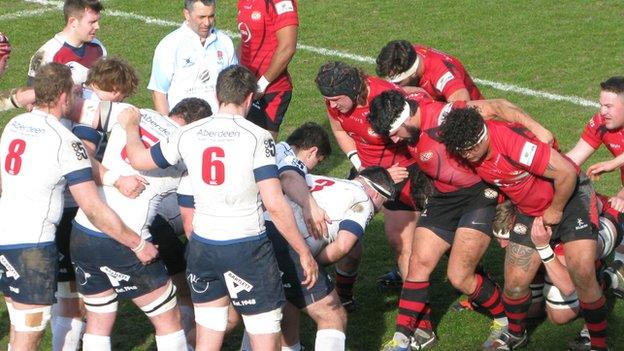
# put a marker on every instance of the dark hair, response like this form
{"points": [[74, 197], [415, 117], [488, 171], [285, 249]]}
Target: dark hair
{"points": [[234, 84], [188, 4], [420, 188], [381, 177], [111, 73], [338, 78], [191, 109], [386, 108], [76, 8], [51, 80], [613, 85], [461, 129], [394, 58], [309, 135]]}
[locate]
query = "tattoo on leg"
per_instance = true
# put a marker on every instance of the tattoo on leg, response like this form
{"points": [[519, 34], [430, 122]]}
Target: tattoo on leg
{"points": [[519, 255]]}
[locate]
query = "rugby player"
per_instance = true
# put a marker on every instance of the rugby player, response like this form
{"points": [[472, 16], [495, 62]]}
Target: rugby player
{"points": [[76, 45], [39, 156], [229, 256], [439, 74], [268, 31], [14, 98], [541, 183], [347, 92]]}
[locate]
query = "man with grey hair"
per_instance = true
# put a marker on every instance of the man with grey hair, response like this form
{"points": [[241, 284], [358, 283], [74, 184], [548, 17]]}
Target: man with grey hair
{"points": [[188, 60]]}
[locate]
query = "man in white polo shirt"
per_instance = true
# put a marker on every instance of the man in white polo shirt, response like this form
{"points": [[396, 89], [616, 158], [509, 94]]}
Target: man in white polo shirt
{"points": [[188, 60]]}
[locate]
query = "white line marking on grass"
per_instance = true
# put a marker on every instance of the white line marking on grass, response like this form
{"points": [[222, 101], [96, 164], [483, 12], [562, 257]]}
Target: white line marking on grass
{"points": [[331, 53], [24, 13]]}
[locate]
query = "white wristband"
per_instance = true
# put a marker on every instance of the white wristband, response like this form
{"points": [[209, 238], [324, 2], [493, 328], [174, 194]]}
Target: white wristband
{"points": [[139, 247], [263, 83], [355, 159], [546, 253], [110, 177]]}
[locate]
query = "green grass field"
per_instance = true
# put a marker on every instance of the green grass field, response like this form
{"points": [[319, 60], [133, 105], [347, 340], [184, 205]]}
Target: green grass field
{"points": [[559, 47]]}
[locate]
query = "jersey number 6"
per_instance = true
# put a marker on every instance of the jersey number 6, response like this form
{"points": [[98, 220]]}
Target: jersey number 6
{"points": [[213, 169]]}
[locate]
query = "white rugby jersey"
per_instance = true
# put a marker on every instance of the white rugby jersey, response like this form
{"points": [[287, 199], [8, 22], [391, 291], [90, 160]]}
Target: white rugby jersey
{"points": [[287, 160], [38, 156], [57, 50], [137, 213], [183, 67], [225, 155], [345, 202]]}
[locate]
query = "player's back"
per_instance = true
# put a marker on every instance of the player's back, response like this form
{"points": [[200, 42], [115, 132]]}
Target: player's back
{"points": [[34, 159], [225, 155]]}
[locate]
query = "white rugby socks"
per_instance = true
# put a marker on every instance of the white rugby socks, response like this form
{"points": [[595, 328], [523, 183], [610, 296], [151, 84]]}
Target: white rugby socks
{"points": [[175, 341], [66, 333], [92, 342], [329, 339]]}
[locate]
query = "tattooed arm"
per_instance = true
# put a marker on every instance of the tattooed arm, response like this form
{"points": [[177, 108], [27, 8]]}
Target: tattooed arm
{"points": [[563, 174]]}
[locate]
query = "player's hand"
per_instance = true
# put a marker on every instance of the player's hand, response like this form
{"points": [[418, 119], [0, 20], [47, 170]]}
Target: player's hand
{"points": [[310, 269], [594, 171], [540, 234], [398, 173], [148, 254], [25, 96], [617, 202], [316, 220], [131, 186], [552, 216], [129, 118]]}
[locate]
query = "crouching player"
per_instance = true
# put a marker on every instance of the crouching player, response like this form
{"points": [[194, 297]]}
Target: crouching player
{"points": [[541, 183], [103, 271]]}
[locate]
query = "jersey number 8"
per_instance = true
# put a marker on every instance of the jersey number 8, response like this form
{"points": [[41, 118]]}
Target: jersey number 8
{"points": [[13, 161]]}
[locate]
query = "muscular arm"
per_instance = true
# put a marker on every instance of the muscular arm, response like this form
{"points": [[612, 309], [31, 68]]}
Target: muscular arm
{"points": [[563, 174], [345, 142], [459, 95], [286, 47], [338, 249], [295, 187], [187, 214], [140, 158], [511, 113], [160, 102], [580, 152]]}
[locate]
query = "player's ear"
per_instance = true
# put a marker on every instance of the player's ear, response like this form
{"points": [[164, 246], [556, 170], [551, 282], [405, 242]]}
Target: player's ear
{"points": [[187, 14]]}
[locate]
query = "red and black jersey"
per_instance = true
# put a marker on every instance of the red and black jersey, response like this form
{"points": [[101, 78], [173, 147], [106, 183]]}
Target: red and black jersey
{"points": [[596, 133]]}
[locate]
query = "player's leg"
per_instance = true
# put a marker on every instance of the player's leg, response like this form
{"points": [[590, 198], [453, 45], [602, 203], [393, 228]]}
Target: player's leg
{"points": [[399, 226], [29, 322], [346, 276], [160, 306], [560, 308], [331, 322], [101, 311], [211, 318], [414, 310], [580, 257]]}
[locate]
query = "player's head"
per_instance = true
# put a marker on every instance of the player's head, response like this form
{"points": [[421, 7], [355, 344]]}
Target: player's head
{"points": [[420, 188], [389, 115], [311, 144], [465, 134], [342, 86], [236, 85], [200, 16], [379, 185], [5, 53], [612, 102], [398, 62], [112, 78], [189, 110], [82, 18], [53, 87]]}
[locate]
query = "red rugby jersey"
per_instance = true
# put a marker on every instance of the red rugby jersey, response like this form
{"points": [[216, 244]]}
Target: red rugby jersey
{"points": [[596, 133], [444, 74], [258, 22]]}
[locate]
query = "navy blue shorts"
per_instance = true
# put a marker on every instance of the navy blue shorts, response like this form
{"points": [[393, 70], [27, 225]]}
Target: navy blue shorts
{"points": [[472, 208], [170, 247], [292, 273], [28, 275], [102, 263], [244, 270]]}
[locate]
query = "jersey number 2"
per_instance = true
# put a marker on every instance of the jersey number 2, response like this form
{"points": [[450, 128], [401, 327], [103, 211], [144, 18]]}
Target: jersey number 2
{"points": [[213, 169], [13, 161]]}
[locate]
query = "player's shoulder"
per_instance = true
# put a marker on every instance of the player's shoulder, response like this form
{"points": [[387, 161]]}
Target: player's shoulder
{"points": [[96, 42], [596, 121], [222, 37]]}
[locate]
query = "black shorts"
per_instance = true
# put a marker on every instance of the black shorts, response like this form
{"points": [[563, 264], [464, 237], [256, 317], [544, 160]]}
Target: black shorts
{"points": [[170, 247], [472, 208], [102, 263], [579, 220], [28, 275], [268, 111], [245, 270], [402, 201], [292, 273], [63, 233]]}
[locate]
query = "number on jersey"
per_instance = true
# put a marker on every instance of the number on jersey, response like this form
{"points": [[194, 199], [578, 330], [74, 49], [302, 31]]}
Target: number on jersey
{"points": [[13, 160], [213, 169]]}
